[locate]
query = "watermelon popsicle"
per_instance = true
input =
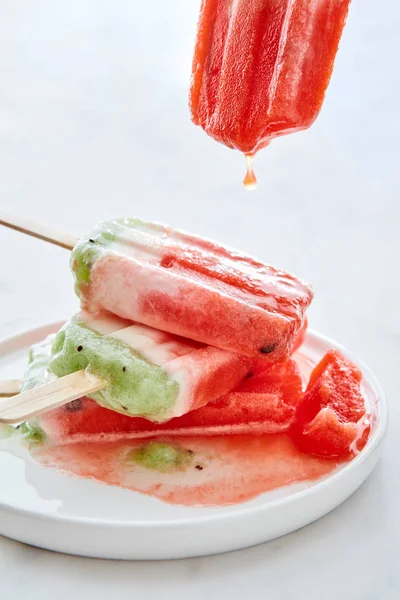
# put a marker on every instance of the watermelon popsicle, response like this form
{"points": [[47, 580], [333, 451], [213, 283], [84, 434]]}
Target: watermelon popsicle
{"points": [[189, 286], [147, 372], [265, 402], [261, 67]]}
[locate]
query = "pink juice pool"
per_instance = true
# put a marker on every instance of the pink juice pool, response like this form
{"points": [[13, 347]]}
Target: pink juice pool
{"points": [[223, 470], [267, 433]]}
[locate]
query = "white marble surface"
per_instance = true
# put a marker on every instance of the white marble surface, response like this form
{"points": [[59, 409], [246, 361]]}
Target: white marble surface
{"points": [[94, 124]]}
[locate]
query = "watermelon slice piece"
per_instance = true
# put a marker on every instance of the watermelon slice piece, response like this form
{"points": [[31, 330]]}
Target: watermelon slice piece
{"points": [[264, 403], [331, 419]]}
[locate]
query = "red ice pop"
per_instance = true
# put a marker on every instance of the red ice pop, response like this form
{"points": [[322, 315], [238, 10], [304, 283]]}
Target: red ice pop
{"points": [[261, 67]]}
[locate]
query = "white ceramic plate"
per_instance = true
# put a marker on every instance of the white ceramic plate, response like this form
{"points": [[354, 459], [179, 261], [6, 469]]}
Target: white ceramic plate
{"points": [[44, 507]]}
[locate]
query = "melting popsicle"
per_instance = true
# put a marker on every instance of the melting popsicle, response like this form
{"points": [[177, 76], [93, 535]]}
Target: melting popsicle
{"points": [[189, 286], [150, 373], [261, 67], [265, 402]]}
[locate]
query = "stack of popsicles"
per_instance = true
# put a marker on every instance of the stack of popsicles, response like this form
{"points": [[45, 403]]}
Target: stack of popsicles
{"points": [[193, 338], [184, 335]]}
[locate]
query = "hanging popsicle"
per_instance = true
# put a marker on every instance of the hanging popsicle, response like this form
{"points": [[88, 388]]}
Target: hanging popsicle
{"points": [[261, 68]]}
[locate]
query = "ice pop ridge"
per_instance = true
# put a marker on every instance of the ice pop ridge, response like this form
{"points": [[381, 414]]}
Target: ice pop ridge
{"points": [[261, 68], [150, 373], [189, 286]]}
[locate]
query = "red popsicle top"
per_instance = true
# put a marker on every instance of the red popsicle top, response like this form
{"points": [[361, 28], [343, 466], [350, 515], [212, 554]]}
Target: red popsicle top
{"points": [[261, 67]]}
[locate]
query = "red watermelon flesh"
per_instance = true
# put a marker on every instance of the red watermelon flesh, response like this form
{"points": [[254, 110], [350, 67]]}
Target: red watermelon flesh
{"points": [[264, 403], [331, 418]]}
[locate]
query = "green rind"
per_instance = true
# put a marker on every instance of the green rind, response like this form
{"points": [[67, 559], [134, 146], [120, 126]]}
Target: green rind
{"points": [[136, 387], [93, 246], [162, 457], [32, 433], [38, 370], [6, 431]]}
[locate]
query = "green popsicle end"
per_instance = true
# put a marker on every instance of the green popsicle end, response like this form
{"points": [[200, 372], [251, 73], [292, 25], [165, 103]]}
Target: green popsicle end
{"points": [[136, 387], [95, 244], [87, 250]]}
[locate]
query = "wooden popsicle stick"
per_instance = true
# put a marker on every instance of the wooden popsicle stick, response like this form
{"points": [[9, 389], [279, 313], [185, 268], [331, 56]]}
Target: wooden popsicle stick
{"points": [[50, 395], [38, 230], [10, 387]]}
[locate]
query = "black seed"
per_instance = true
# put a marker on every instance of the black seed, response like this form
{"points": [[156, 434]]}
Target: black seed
{"points": [[91, 241], [199, 467], [267, 349], [74, 406], [124, 369], [124, 407], [80, 348], [18, 426], [190, 451]]}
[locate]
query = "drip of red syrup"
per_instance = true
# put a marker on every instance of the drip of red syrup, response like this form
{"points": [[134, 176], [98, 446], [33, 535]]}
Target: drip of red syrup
{"points": [[250, 180]]}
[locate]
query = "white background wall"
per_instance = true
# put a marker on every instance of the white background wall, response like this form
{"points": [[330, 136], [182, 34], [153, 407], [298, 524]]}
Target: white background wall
{"points": [[94, 124]]}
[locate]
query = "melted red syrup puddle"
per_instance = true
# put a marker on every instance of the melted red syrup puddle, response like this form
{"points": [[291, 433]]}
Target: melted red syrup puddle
{"points": [[225, 469]]}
